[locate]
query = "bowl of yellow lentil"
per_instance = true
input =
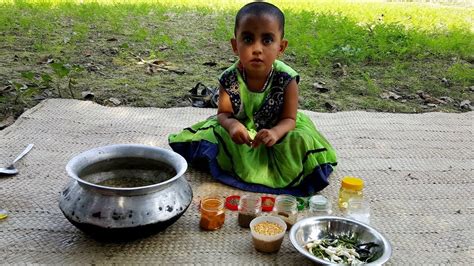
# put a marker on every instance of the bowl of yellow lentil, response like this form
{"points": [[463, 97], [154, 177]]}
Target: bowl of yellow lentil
{"points": [[267, 233]]}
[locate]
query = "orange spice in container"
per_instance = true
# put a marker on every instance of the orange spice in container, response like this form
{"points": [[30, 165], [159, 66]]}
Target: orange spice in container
{"points": [[212, 213]]}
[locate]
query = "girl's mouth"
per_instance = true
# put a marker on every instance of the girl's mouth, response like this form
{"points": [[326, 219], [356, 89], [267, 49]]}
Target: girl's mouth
{"points": [[256, 62]]}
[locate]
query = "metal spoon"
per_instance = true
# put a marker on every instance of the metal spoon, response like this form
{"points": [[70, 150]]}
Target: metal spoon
{"points": [[11, 170]]}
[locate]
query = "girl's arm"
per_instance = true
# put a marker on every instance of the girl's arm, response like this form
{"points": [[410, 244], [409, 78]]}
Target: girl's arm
{"points": [[237, 131], [287, 122]]}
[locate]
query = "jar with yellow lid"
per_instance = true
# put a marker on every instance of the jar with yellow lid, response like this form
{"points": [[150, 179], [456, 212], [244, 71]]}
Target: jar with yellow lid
{"points": [[351, 188]]}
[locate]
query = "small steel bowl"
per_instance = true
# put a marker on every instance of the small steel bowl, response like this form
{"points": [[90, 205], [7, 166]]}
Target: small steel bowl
{"points": [[313, 228]]}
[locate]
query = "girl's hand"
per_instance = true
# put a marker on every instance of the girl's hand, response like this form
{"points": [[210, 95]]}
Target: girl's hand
{"points": [[239, 133], [266, 137]]}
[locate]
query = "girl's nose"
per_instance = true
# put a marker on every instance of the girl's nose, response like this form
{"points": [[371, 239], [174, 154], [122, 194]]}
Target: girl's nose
{"points": [[257, 48]]}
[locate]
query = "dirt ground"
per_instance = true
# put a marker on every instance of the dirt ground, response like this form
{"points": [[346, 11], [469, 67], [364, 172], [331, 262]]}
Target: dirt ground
{"points": [[114, 69]]}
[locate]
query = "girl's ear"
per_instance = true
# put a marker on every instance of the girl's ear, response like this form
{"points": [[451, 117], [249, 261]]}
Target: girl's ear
{"points": [[283, 45], [233, 42]]}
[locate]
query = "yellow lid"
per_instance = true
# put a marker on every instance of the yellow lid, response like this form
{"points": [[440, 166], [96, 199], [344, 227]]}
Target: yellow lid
{"points": [[353, 183]]}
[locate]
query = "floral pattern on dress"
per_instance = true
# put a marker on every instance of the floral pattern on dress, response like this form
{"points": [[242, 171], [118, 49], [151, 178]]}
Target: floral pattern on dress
{"points": [[269, 113], [230, 83]]}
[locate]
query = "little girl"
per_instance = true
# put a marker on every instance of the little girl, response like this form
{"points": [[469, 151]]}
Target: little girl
{"points": [[259, 141]]}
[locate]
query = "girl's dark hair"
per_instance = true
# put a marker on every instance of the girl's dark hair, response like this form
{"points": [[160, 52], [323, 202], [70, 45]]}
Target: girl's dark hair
{"points": [[258, 9]]}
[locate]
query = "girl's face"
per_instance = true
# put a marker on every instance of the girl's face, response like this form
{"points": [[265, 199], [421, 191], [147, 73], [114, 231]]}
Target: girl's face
{"points": [[258, 43]]}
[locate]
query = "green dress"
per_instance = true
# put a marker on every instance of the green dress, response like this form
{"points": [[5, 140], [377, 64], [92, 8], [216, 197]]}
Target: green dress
{"points": [[298, 164]]}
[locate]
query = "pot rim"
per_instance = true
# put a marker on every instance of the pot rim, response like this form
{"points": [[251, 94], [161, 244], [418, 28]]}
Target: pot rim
{"points": [[94, 155]]}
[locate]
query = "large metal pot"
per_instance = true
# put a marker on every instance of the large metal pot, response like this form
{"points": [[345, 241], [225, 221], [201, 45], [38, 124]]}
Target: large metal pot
{"points": [[127, 208]]}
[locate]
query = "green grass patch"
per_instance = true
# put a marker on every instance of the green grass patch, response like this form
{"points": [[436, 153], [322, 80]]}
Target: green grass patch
{"points": [[462, 72], [400, 47]]}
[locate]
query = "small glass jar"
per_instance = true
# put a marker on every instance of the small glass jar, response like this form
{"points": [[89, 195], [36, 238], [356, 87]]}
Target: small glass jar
{"points": [[351, 188], [286, 207], [358, 209], [249, 208], [319, 205], [212, 213]]}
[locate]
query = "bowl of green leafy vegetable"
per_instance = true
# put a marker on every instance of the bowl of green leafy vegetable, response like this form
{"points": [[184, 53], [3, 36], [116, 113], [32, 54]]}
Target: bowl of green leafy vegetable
{"points": [[335, 240]]}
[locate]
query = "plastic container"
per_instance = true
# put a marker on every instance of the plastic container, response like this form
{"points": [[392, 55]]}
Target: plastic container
{"points": [[270, 241], [286, 208], [212, 213], [358, 209], [319, 205], [351, 188], [249, 208]]}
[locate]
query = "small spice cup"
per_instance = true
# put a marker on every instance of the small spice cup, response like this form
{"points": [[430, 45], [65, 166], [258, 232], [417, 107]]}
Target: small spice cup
{"points": [[212, 213], [249, 208], [267, 233]]}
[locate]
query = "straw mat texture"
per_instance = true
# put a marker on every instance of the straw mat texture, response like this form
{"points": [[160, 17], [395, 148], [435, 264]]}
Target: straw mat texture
{"points": [[418, 170]]}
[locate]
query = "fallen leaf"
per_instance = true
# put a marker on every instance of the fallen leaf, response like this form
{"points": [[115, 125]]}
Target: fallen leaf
{"points": [[445, 82], [149, 69], [390, 95], [423, 95], [159, 62], [6, 88], [339, 70], [466, 104], [163, 47], [210, 63], [112, 102], [7, 122], [87, 95], [320, 87], [446, 99], [434, 100], [176, 70], [87, 53], [46, 60], [91, 67], [330, 106]]}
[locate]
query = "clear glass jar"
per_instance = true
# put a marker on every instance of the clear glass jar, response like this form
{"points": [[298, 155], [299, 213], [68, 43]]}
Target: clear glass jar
{"points": [[249, 208], [212, 213], [286, 207], [351, 188], [359, 210], [319, 205]]}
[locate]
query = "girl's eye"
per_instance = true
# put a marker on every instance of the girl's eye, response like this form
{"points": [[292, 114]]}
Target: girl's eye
{"points": [[247, 39], [267, 41]]}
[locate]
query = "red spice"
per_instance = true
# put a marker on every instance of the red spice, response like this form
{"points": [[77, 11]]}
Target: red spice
{"points": [[232, 202], [267, 203]]}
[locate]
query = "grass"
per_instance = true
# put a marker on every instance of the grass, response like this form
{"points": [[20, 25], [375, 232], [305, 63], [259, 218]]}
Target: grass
{"points": [[381, 47]]}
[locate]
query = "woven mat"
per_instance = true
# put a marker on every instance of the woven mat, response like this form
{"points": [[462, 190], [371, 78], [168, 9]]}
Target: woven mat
{"points": [[418, 169]]}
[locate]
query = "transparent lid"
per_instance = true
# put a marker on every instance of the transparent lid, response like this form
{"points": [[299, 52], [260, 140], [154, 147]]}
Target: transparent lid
{"points": [[286, 203], [250, 203], [319, 202]]}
